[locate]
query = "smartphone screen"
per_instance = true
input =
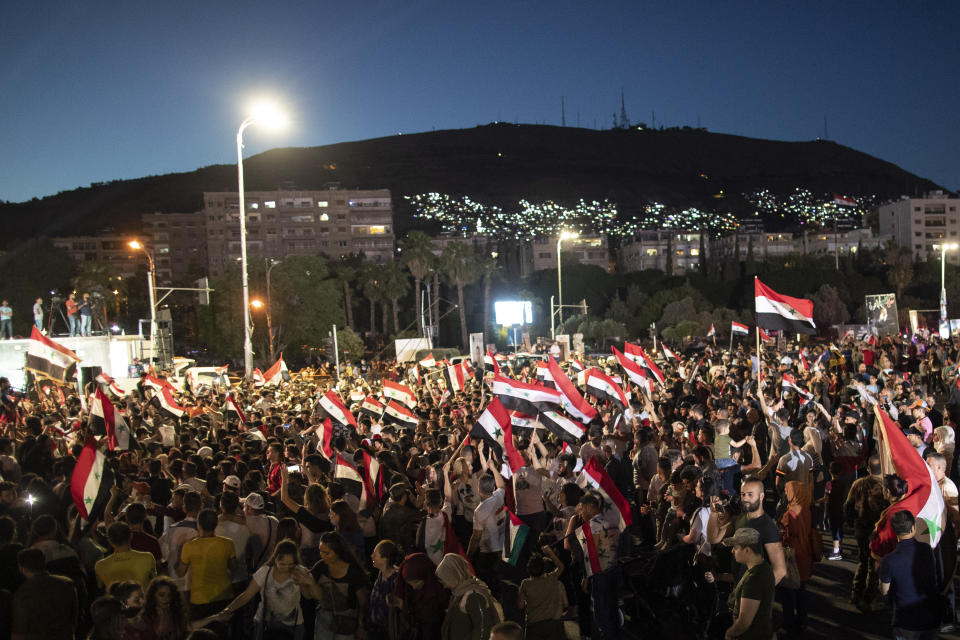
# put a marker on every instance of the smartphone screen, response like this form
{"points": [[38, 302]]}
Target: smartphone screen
{"points": [[293, 468]]}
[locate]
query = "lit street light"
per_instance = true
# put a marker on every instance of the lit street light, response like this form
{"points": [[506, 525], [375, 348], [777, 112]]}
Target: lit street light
{"points": [[151, 287], [950, 246], [564, 235], [267, 115]]}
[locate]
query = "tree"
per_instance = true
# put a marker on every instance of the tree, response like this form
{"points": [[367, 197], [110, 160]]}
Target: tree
{"points": [[668, 267], [899, 263], [828, 308], [418, 257], [349, 345], [371, 282], [459, 265], [345, 271], [488, 268], [34, 270], [395, 286]]}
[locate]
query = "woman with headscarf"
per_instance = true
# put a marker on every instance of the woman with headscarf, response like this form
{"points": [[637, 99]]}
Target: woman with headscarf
{"points": [[797, 537], [472, 611], [418, 598], [813, 445]]}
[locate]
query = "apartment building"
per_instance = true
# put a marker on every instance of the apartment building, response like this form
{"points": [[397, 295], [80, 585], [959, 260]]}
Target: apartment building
{"points": [[332, 222], [652, 249], [923, 224], [108, 248], [584, 249], [179, 245]]}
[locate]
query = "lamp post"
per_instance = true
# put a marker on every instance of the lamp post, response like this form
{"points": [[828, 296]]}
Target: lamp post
{"points": [[264, 114], [943, 277], [564, 235], [271, 263], [151, 287]]}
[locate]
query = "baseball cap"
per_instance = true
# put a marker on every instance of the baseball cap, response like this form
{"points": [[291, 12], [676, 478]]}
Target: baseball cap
{"points": [[254, 501], [743, 537], [232, 481]]}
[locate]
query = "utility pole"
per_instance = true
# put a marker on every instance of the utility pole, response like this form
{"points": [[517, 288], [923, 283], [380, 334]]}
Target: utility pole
{"points": [[563, 112], [624, 121]]}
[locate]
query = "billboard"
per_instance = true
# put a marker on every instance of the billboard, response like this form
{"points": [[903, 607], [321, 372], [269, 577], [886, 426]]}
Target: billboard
{"points": [[882, 314], [513, 312]]}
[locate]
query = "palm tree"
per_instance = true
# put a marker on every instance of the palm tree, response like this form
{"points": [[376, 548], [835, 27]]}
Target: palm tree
{"points": [[345, 271], [459, 263], [396, 286], [418, 257], [371, 279], [488, 268]]}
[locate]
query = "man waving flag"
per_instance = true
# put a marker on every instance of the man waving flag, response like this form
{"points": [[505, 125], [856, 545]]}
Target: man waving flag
{"points": [[777, 311], [923, 498]]}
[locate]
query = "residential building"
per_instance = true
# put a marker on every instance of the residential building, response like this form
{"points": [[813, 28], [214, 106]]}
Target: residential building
{"points": [[651, 250], [585, 249], [108, 248], [922, 224], [332, 222], [179, 245]]}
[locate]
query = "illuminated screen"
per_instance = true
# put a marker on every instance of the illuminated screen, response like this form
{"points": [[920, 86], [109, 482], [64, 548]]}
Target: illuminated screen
{"points": [[513, 312]]}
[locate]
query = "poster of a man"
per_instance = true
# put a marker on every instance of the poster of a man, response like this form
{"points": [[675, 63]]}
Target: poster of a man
{"points": [[882, 314]]}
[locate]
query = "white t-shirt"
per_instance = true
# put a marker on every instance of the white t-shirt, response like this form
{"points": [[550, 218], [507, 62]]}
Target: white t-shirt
{"points": [[468, 496], [239, 534], [698, 527], [282, 599], [435, 533], [488, 519]]}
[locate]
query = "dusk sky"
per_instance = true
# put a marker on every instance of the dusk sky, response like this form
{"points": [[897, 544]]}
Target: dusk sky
{"points": [[104, 90]]}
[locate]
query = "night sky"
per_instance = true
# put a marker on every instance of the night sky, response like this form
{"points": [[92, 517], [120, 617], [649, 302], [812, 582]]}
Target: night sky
{"points": [[97, 91]]}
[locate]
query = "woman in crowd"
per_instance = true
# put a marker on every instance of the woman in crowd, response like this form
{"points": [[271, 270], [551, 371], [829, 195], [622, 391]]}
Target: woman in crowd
{"points": [[348, 527], [164, 614], [386, 559], [798, 541], [472, 611], [419, 598], [340, 587]]}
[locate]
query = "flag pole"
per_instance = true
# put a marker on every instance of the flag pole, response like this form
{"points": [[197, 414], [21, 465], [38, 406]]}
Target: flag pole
{"points": [[731, 338]]}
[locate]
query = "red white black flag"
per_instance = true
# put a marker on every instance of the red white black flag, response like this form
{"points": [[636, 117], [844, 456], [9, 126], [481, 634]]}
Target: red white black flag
{"points": [[777, 311], [47, 359]]}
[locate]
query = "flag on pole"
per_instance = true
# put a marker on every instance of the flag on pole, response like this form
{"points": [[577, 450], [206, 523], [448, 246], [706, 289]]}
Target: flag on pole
{"points": [[638, 355], [803, 361], [233, 407], [843, 201], [165, 400], [428, 361], [399, 392], [47, 359], [570, 398], [712, 332], [788, 383], [325, 434], [258, 380], [515, 533], [635, 372], [277, 373], [764, 335], [600, 386], [489, 360], [667, 353], [591, 557], [737, 327], [330, 405], [400, 415], [923, 498], [106, 420], [567, 429], [455, 378], [91, 481], [371, 407], [544, 375], [777, 311], [524, 397], [616, 508], [346, 473], [496, 429]]}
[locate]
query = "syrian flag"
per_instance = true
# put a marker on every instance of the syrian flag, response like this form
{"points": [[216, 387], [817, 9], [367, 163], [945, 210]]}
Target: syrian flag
{"points": [[399, 414], [737, 327], [576, 365], [331, 406], [277, 373], [668, 354], [522, 422], [428, 362], [91, 481], [638, 355], [594, 476], [371, 407], [790, 384], [258, 380], [372, 479], [495, 428], [567, 429], [777, 311], [105, 419], [489, 360], [222, 375], [923, 499], [843, 201], [399, 392], [712, 332], [325, 436], [544, 376], [455, 378], [591, 559], [233, 407], [524, 397], [47, 359], [634, 371], [111, 385], [157, 384], [166, 401], [600, 386], [803, 361], [570, 398], [515, 533], [347, 475], [764, 335]]}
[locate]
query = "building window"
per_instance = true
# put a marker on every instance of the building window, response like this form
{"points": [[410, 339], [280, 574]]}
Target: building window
{"points": [[651, 252], [342, 243], [324, 217], [270, 204], [307, 218], [322, 204], [545, 255]]}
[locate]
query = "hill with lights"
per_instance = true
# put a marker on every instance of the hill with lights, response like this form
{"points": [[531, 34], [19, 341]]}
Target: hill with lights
{"points": [[630, 178]]}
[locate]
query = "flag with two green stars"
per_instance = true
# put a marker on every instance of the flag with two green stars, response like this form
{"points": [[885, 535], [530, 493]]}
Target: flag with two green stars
{"points": [[91, 480], [923, 498]]}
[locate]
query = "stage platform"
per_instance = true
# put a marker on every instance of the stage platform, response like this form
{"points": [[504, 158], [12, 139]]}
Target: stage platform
{"points": [[113, 354]]}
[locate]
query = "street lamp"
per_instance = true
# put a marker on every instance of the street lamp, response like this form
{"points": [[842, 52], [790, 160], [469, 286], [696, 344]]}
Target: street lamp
{"points": [[151, 287], [951, 246], [268, 115], [564, 235], [271, 263]]}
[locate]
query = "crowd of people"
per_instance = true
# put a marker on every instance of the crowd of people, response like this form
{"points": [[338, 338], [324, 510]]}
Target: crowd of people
{"points": [[256, 515], [79, 316]]}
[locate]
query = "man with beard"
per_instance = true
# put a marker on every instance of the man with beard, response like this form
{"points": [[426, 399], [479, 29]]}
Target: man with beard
{"points": [[753, 517]]}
